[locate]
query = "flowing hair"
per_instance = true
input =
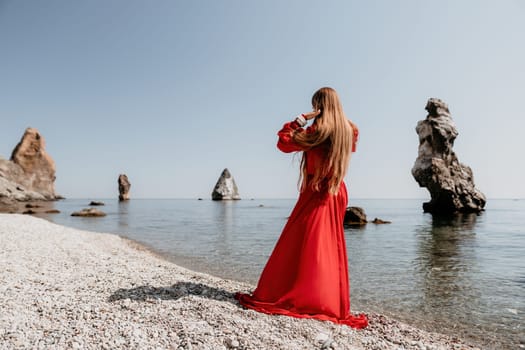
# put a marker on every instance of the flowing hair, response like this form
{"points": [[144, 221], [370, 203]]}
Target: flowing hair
{"points": [[331, 129]]}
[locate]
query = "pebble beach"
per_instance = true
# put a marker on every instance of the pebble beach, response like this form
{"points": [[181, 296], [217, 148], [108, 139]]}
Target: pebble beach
{"points": [[62, 288]]}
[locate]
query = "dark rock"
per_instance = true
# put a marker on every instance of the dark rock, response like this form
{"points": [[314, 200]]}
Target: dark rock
{"points": [[29, 205], [123, 187], [355, 216], [225, 189], [379, 221], [450, 183], [94, 203], [29, 212], [89, 212]]}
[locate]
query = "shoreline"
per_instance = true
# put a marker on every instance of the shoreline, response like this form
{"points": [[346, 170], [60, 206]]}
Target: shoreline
{"points": [[66, 288]]}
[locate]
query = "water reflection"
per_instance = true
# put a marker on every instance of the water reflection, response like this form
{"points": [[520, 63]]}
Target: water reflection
{"points": [[446, 266], [123, 210], [223, 215]]}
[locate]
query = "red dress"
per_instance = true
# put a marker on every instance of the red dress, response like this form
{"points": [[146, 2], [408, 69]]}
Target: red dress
{"points": [[307, 274]]}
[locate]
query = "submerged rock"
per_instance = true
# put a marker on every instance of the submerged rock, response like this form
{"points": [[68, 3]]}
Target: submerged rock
{"points": [[378, 221], [95, 203], [450, 183], [89, 212], [225, 189], [355, 216], [52, 211], [123, 187]]}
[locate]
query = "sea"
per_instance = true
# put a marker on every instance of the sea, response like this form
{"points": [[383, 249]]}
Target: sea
{"points": [[462, 275]]}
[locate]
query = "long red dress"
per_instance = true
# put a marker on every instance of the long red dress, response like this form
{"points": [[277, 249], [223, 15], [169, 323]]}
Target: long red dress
{"points": [[306, 275]]}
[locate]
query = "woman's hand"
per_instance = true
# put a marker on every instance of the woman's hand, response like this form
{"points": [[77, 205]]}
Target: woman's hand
{"points": [[311, 115]]}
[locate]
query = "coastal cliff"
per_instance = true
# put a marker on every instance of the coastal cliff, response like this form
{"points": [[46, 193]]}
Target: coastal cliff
{"points": [[30, 173]]}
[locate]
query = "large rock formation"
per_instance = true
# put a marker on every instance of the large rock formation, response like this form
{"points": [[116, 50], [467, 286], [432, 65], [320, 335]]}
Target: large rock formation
{"points": [[30, 174], [225, 187], [123, 187], [450, 183]]}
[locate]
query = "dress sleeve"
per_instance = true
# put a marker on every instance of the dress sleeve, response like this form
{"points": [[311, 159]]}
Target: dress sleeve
{"points": [[286, 143], [355, 136]]}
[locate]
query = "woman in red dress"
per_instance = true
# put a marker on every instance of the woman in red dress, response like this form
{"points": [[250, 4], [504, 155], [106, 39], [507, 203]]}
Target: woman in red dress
{"points": [[307, 274]]}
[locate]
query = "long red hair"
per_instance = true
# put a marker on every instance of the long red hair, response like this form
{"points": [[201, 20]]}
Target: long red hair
{"points": [[333, 130]]}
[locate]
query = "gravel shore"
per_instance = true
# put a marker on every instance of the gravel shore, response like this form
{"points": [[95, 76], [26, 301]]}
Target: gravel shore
{"points": [[62, 288]]}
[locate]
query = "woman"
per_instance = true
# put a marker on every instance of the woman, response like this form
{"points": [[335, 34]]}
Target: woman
{"points": [[307, 273]]}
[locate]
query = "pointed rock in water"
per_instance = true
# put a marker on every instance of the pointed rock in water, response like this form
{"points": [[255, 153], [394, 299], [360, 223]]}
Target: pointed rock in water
{"points": [[450, 183], [123, 187], [225, 189]]}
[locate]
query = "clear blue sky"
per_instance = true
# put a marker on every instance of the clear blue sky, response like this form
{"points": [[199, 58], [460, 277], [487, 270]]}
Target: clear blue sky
{"points": [[172, 92]]}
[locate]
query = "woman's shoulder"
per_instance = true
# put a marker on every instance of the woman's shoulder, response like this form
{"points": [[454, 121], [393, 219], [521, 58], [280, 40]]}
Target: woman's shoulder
{"points": [[354, 127]]}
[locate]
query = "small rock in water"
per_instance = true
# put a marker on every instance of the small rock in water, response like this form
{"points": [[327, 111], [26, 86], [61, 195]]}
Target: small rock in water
{"points": [[379, 221], [355, 216], [95, 203], [89, 212]]}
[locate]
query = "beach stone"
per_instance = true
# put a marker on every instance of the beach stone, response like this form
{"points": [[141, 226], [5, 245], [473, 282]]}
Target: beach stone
{"points": [[89, 212], [355, 216], [226, 188], [123, 187], [450, 183]]}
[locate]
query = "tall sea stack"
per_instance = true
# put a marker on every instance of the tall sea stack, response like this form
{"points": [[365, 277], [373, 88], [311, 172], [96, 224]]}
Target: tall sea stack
{"points": [[225, 189], [123, 187], [450, 183]]}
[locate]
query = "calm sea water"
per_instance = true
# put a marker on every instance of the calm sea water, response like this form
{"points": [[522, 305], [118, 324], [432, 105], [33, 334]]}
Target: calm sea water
{"points": [[463, 276]]}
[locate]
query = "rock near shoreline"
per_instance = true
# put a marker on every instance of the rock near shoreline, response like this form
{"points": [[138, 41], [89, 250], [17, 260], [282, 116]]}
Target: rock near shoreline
{"points": [[30, 173]]}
